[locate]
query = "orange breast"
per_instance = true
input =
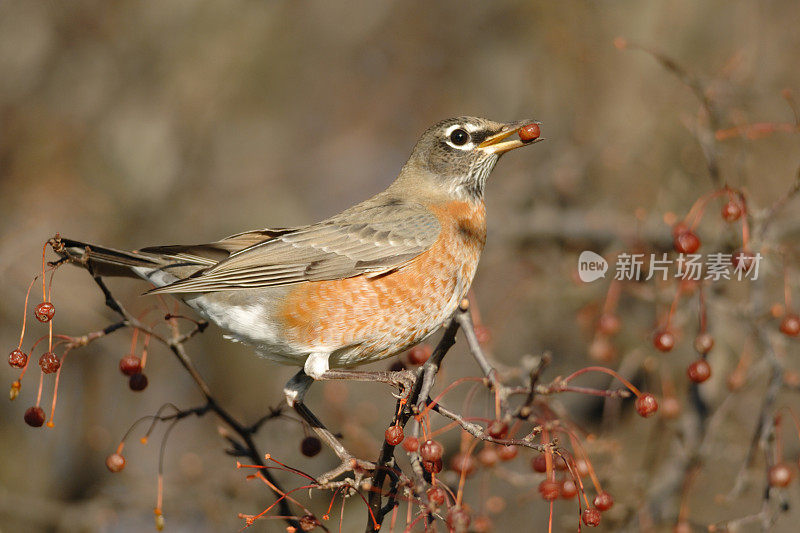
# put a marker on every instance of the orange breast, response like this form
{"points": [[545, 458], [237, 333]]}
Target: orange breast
{"points": [[371, 318]]}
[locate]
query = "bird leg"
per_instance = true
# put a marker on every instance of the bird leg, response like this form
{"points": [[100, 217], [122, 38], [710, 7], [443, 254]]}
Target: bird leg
{"points": [[296, 389]]}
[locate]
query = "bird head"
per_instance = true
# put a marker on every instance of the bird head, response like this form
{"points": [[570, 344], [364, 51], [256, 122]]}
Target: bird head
{"points": [[458, 154]]}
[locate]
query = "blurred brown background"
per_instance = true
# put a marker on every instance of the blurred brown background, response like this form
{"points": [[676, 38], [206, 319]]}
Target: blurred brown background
{"points": [[139, 123]]}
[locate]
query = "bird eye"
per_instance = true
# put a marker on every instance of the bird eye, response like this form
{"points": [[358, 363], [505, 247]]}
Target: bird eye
{"points": [[459, 137]]}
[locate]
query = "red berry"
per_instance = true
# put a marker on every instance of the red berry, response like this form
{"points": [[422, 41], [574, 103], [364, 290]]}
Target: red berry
{"points": [[44, 312], [49, 362], [497, 429], [463, 463], [780, 475], [488, 456], [603, 501], [507, 453], [431, 450], [17, 358], [115, 462], [591, 517], [568, 489], [434, 467], [130, 365], [308, 522], [34, 416], [394, 435], [608, 324], [731, 211], [663, 340], [790, 325], [457, 519], [703, 343], [646, 405], [529, 133], [539, 463], [137, 382], [310, 446], [549, 489], [686, 242], [411, 444], [582, 467], [419, 354], [436, 496], [699, 371]]}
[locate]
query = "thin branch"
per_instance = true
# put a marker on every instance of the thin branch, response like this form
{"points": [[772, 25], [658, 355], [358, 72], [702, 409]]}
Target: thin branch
{"points": [[386, 461], [176, 346]]}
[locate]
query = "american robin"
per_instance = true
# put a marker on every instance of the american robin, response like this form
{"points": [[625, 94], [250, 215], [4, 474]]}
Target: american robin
{"points": [[360, 286]]}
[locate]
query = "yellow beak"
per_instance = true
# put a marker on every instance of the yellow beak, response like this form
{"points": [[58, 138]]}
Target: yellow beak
{"points": [[495, 145]]}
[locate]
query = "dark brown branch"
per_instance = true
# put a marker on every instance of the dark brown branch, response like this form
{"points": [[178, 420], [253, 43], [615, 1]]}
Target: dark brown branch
{"points": [[175, 345], [385, 465]]}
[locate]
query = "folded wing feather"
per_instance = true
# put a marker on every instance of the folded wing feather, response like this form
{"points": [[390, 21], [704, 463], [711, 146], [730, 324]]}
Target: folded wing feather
{"points": [[373, 240]]}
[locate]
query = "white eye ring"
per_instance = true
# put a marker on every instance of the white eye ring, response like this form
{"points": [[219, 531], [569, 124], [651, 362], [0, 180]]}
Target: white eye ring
{"points": [[469, 145]]}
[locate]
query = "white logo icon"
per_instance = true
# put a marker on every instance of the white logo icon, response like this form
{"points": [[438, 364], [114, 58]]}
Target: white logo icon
{"points": [[591, 266]]}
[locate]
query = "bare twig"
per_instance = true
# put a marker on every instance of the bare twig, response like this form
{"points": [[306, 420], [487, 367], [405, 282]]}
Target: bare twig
{"points": [[176, 346]]}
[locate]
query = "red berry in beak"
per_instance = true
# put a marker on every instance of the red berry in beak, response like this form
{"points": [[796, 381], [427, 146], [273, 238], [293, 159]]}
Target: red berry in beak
{"points": [[529, 133]]}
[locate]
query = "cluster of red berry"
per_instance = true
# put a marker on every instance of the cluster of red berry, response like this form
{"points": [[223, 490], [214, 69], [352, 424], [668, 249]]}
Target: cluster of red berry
{"points": [[564, 473], [49, 362]]}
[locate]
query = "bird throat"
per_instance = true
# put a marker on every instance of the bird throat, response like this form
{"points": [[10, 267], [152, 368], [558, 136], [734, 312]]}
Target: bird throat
{"points": [[474, 183]]}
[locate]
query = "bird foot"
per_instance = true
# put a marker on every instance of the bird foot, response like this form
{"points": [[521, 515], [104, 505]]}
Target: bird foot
{"points": [[404, 379]]}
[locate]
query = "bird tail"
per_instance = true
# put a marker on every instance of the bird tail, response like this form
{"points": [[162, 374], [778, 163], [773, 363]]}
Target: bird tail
{"points": [[103, 261]]}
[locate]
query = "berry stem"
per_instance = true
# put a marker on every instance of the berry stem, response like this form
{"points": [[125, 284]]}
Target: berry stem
{"points": [[794, 418], [497, 409], [134, 339], [50, 285], [673, 305], [44, 289], [604, 370], [144, 349], [703, 314], [39, 394], [25, 312], [745, 223], [35, 344], [700, 205], [577, 447], [445, 391], [596, 392], [463, 478], [50, 423]]}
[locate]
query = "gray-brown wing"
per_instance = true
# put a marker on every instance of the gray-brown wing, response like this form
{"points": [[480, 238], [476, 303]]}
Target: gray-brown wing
{"points": [[208, 255], [373, 241]]}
